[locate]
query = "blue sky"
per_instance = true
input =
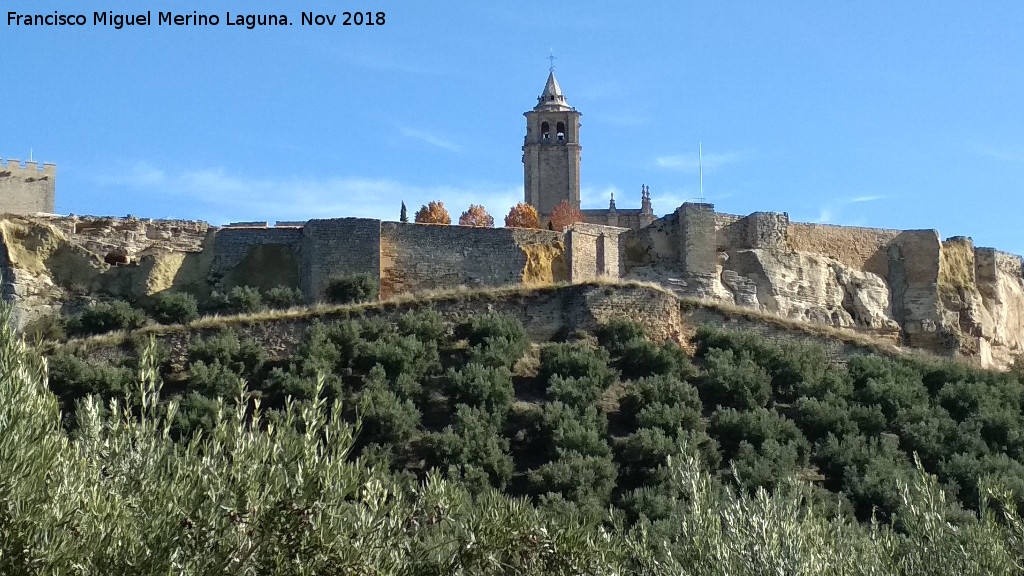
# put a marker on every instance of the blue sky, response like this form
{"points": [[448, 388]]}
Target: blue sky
{"points": [[892, 115]]}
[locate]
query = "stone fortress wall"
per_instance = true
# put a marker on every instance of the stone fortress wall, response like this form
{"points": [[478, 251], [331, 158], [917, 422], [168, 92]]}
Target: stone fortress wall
{"points": [[28, 189], [908, 286]]}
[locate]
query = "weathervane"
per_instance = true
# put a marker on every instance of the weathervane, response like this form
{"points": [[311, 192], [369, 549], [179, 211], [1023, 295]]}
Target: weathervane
{"points": [[552, 59]]}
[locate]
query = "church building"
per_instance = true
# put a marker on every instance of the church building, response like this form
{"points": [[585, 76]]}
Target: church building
{"points": [[551, 163]]}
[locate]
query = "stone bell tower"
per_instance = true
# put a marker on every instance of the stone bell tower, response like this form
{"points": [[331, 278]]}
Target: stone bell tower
{"points": [[551, 151]]}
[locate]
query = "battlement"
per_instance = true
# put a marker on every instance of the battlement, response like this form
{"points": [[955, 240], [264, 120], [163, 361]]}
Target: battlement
{"points": [[30, 170]]}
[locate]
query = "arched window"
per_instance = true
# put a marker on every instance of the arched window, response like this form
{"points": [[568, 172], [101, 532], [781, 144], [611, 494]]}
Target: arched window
{"points": [[544, 129], [560, 129]]}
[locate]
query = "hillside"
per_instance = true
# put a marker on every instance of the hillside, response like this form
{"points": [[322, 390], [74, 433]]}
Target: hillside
{"points": [[581, 429], [636, 370]]}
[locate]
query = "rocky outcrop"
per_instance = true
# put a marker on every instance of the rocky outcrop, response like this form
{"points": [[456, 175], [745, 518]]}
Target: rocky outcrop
{"points": [[49, 263], [908, 287]]}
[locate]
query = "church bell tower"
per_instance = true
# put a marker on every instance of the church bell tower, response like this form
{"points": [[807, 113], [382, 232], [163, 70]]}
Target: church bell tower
{"points": [[551, 151]]}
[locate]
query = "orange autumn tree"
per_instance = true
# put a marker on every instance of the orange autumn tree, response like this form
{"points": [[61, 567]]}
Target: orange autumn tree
{"points": [[433, 213], [522, 216], [476, 215], [565, 215]]}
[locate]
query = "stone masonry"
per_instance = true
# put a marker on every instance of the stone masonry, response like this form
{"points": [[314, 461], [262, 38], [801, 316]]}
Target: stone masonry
{"points": [[27, 190]]}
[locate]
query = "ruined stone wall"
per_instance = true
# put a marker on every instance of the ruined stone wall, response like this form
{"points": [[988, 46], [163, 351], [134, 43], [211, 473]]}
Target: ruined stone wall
{"points": [[29, 189], [420, 257], [913, 277], [767, 230], [654, 245], [259, 257], [730, 232], [593, 251], [1009, 263], [338, 246], [861, 248], [697, 239]]}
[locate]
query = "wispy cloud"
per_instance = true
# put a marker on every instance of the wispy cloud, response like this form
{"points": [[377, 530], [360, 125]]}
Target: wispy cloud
{"points": [[692, 162], [858, 199], [217, 195], [828, 213], [1009, 154], [140, 174], [429, 138], [591, 197]]}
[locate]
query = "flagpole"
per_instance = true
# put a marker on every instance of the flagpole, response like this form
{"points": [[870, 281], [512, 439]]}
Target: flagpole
{"points": [[700, 163]]}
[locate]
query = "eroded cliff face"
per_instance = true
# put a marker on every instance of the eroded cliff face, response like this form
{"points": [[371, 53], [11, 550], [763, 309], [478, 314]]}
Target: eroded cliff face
{"points": [[982, 292], [50, 263], [945, 297]]}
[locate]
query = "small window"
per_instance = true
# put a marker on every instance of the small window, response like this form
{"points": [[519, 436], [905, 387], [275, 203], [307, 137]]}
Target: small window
{"points": [[561, 130], [544, 129]]}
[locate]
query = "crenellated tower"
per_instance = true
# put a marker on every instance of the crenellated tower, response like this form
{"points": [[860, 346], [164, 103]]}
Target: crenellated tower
{"points": [[29, 189], [551, 151]]}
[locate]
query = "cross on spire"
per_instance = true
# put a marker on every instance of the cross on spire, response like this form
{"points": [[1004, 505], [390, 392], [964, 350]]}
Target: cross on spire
{"points": [[552, 59]]}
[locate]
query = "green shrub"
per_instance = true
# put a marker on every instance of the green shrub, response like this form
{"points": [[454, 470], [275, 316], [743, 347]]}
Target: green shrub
{"points": [[647, 504], [330, 347], [101, 317], [494, 339], [472, 450], [865, 470], [616, 334], [244, 357], [213, 380], [767, 465], [584, 480], [804, 370], [477, 329], [888, 384], [245, 300], [197, 414], [175, 308], [817, 418], [352, 288], [730, 427], [481, 386], [565, 427], [663, 402], [280, 384], [734, 380], [577, 360], [497, 352], [641, 358], [576, 392], [398, 355], [641, 454], [386, 418], [427, 326], [291, 499], [669, 417], [72, 378], [282, 297]]}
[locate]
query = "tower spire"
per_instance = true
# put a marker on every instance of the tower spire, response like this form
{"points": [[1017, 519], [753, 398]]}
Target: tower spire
{"points": [[552, 98]]}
